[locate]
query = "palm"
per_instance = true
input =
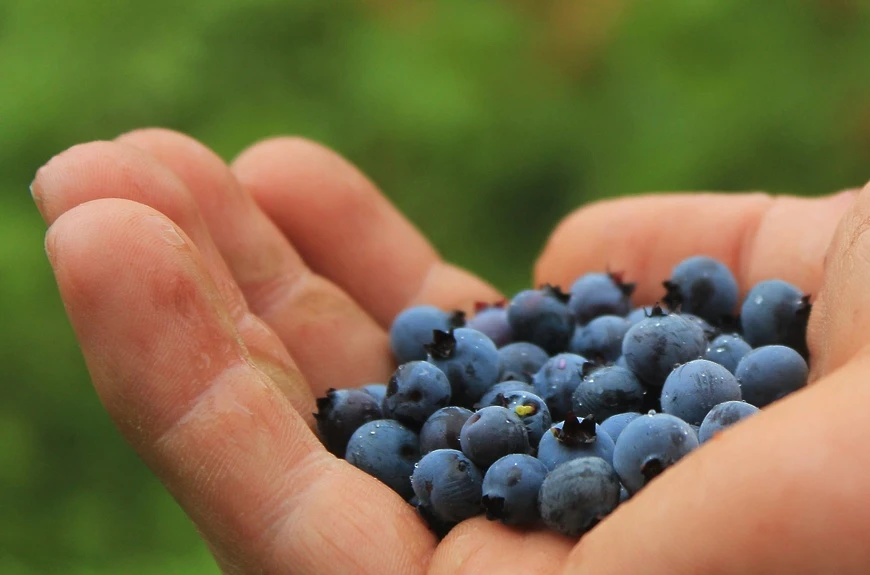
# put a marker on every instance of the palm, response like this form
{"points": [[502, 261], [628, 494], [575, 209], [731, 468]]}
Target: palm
{"points": [[209, 349]]}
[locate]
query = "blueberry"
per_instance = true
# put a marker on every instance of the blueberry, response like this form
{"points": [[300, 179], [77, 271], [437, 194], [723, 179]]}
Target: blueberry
{"points": [[532, 410], [578, 494], [492, 433], [727, 351], [438, 526], [470, 361], [448, 485], [413, 327], [702, 286], [340, 413], [416, 390], [510, 489], [501, 388], [441, 430], [376, 390], [520, 361], [556, 381], [624, 494], [386, 450], [692, 389], [776, 313], [596, 294], [649, 445], [710, 332], [653, 346], [601, 339], [492, 321], [771, 372], [638, 314], [723, 416], [574, 438], [542, 317], [614, 424], [607, 391]]}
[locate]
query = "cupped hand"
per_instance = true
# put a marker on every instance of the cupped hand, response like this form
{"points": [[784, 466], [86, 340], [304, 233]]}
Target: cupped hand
{"points": [[213, 303]]}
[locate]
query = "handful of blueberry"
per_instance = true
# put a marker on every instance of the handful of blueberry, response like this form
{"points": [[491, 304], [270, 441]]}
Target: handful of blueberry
{"points": [[557, 407]]}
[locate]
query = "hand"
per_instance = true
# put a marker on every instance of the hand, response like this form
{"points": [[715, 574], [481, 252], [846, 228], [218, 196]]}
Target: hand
{"points": [[213, 303]]}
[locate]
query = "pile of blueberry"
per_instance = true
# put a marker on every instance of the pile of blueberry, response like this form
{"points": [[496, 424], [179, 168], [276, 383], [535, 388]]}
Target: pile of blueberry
{"points": [[556, 407]]}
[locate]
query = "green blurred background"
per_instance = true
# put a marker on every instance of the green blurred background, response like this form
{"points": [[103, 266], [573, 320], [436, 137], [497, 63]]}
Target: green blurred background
{"points": [[483, 121]]}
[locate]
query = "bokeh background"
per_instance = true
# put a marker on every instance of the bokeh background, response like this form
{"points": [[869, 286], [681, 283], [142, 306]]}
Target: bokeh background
{"points": [[484, 121]]}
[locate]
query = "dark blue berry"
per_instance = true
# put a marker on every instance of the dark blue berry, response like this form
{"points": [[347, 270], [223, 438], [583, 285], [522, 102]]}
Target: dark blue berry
{"points": [[692, 389], [376, 390], [510, 489], [501, 388], [520, 361], [578, 494], [557, 379], [776, 313], [702, 286], [542, 317], [638, 314], [386, 450], [727, 351], [600, 340], [532, 410], [596, 294], [448, 485], [614, 424], [769, 373], [469, 359], [492, 321], [710, 332], [574, 438], [441, 430], [340, 413], [413, 327], [649, 445], [654, 346], [416, 390], [607, 391], [492, 433], [723, 416]]}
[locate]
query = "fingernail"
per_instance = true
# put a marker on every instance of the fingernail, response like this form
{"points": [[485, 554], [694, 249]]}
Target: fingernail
{"points": [[48, 244], [36, 194]]}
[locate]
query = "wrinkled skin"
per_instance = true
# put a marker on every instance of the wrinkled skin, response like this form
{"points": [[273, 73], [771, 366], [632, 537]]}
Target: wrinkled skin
{"points": [[209, 299]]}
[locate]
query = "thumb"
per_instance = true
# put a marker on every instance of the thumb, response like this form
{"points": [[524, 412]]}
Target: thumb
{"points": [[838, 328], [782, 490]]}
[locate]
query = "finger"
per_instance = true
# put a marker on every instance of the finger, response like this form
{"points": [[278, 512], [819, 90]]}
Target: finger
{"points": [[481, 546], [168, 364], [758, 236], [312, 317], [776, 494], [349, 232], [841, 314], [101, 170]]}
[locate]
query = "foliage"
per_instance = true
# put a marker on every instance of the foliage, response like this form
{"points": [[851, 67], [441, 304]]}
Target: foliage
{"points": [[494, 117]]}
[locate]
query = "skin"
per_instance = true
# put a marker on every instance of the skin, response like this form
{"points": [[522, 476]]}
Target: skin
{"points": [[208, 300]]}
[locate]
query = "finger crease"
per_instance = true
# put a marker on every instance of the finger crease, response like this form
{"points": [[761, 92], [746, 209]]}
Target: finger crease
{"points": [[745, 249], [425, 282]]}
